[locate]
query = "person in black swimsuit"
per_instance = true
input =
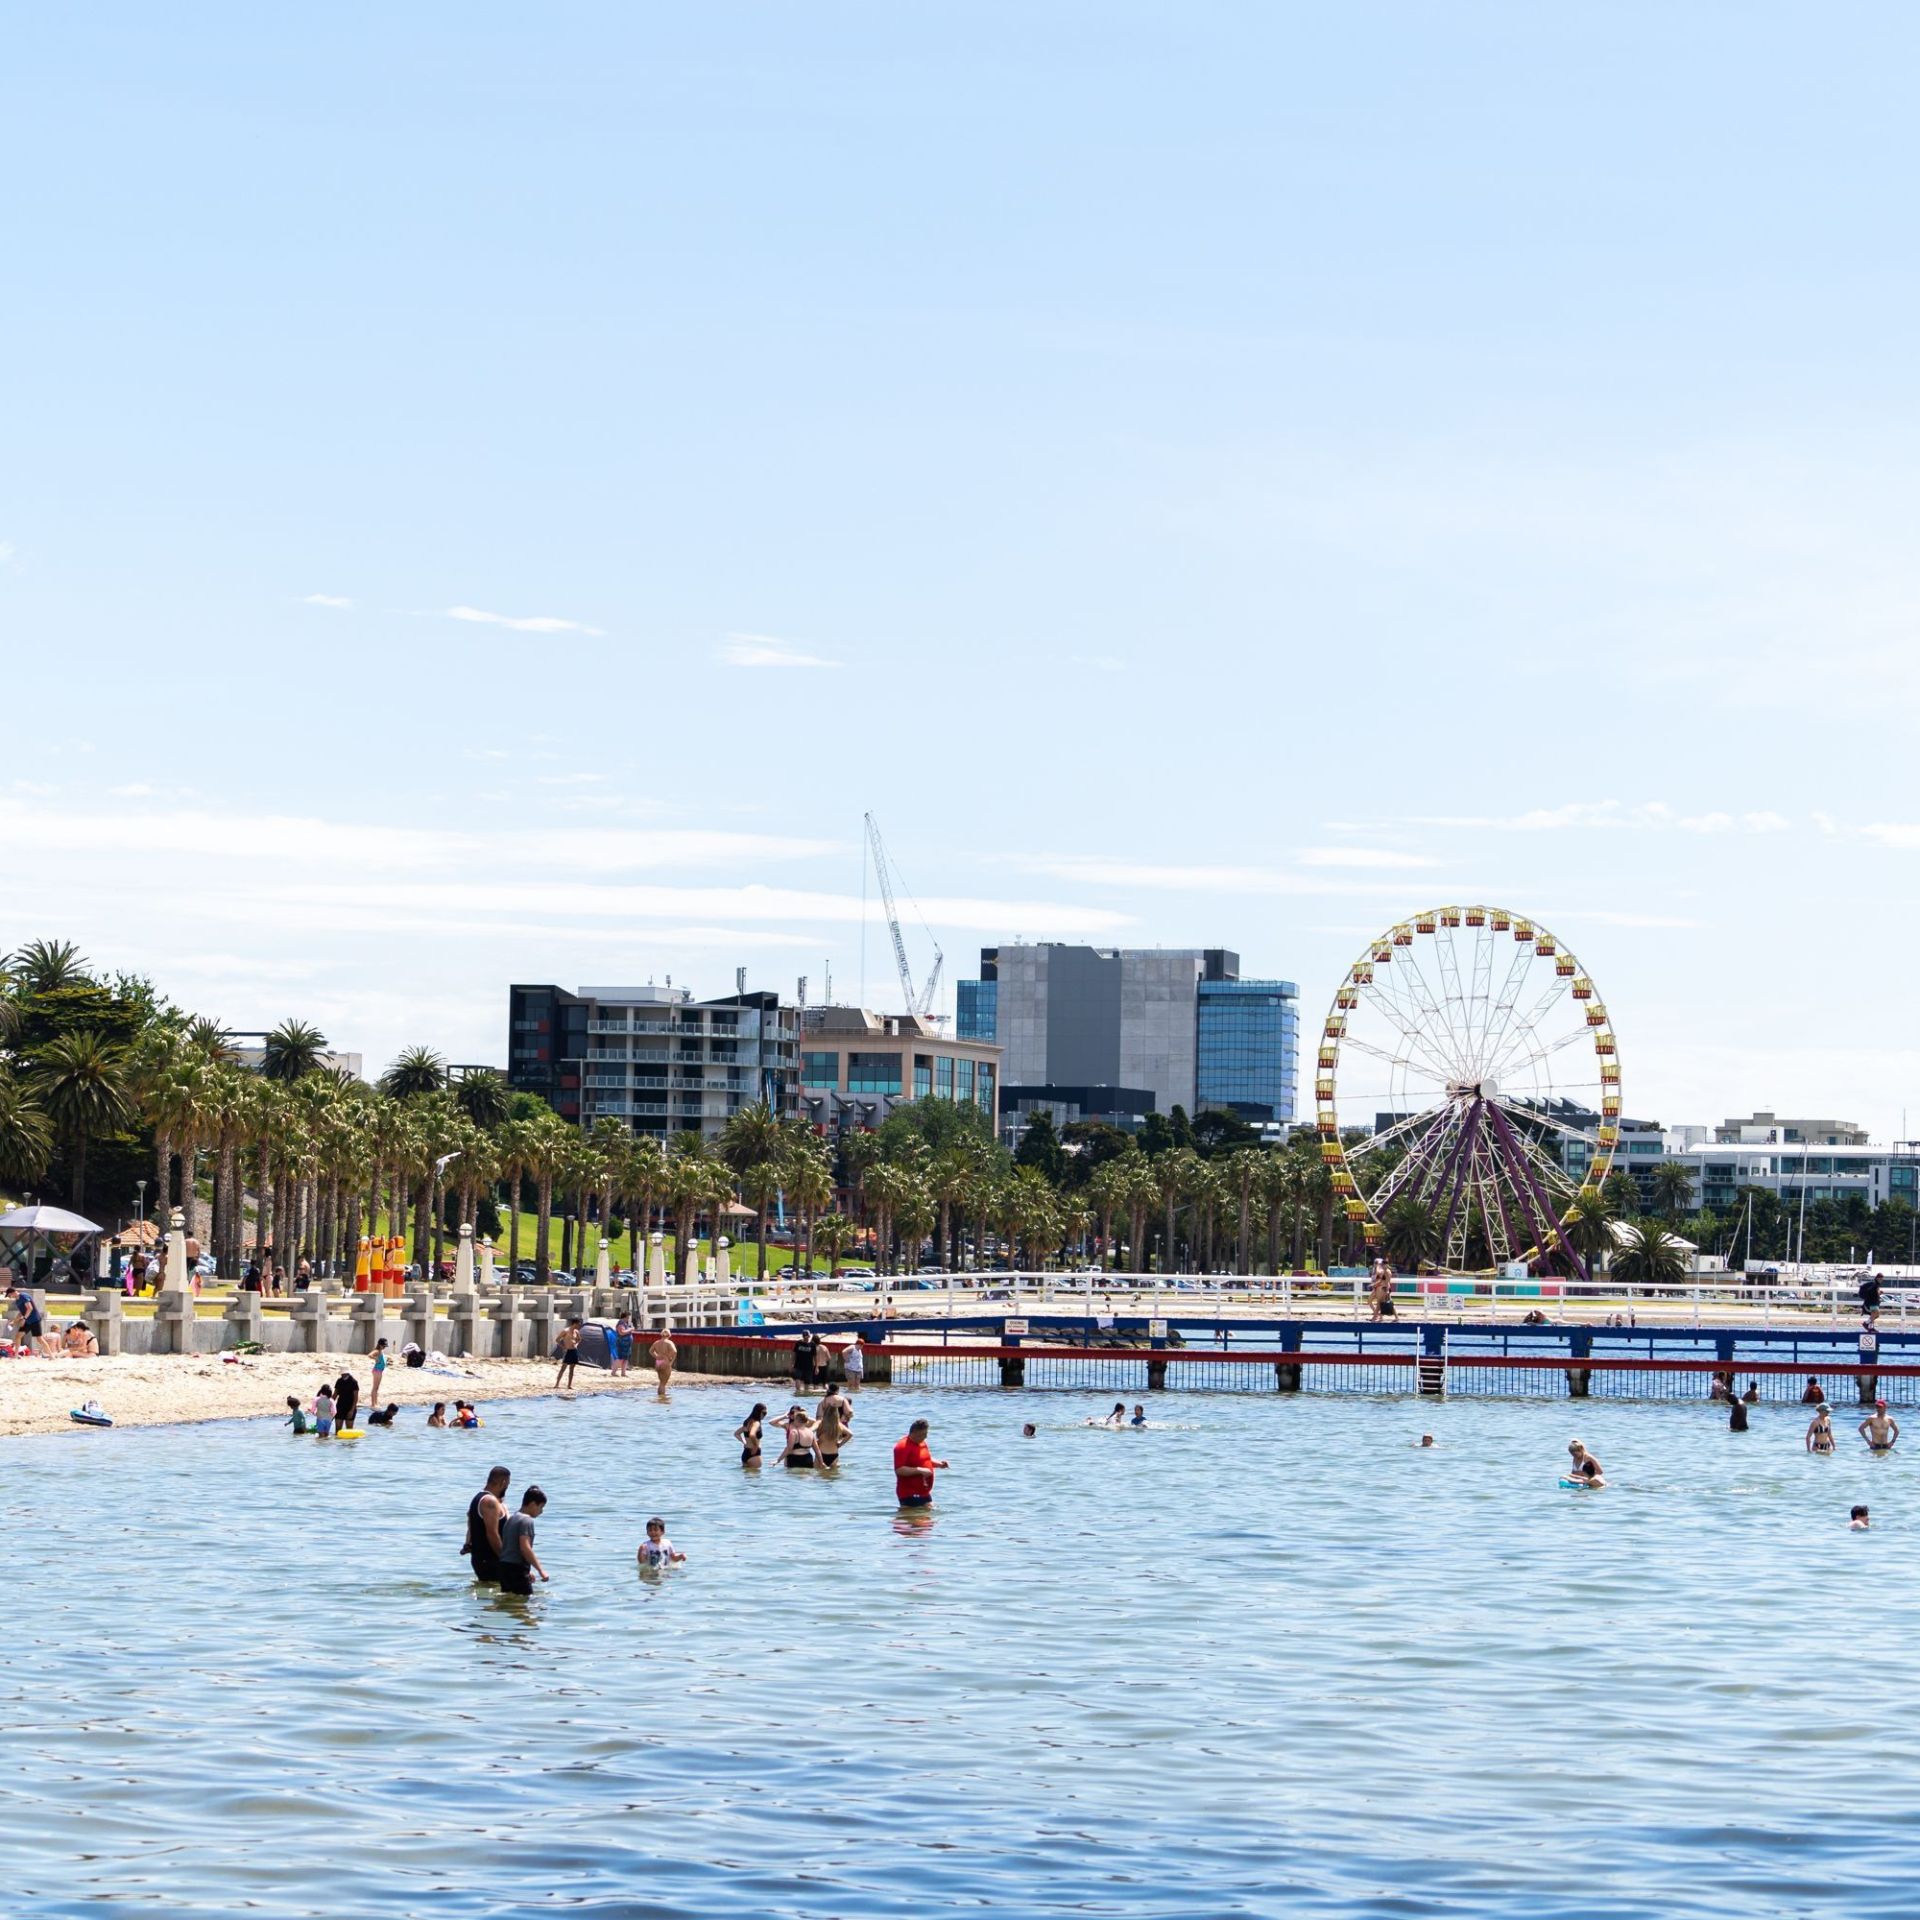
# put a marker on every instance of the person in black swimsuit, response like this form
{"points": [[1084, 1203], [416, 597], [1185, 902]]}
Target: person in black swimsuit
{"points": [[346, 1401], [803, 1442], [748, 1434], [485, 1511], [806, 1359]]}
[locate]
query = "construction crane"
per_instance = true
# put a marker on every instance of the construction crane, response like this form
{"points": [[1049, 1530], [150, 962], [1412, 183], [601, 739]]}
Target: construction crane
{"points": [[922, 1002]]}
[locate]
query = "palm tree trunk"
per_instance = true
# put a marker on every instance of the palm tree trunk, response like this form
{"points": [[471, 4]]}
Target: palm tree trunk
{"points": [[162, 1173], [542, 1265], [513, 1220]]}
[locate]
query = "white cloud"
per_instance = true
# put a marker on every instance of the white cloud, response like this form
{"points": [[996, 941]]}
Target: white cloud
{"points": [[570, 779], [1098, 870], [1904, 834], [8, 554], [1381, 857], [1708, 823], [138, 790], [1100, 662], [528, 623], [1766, 823], [326, 600], [762, 650]]}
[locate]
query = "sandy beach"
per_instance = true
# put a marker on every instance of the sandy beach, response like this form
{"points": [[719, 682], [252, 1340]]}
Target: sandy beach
{"points": [[141, 1390]]}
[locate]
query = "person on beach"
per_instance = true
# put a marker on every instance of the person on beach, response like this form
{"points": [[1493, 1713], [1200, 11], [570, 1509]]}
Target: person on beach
{"points": [[80, 1343], [803, 1440], [1857, 1520], [33, 1328], [663, 1353], [346, 1401], [622, 1345], [1820, 1430], [323, 1412], [379, 1371], [748, 1433], [656, 1550], [833, 1422], [296, 1414], [518, 1561], [438, 1417], [485, 1513], [1585, 1467], [853, 1364], [913, 1468], [569, 1354], [1813, 1392], [1880, 1430]]}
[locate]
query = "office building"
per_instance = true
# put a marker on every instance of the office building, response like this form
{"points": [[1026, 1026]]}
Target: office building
{"points": [[1116, 1034], [857, 1066], [249, 1050], [1814, 1171], [1769, 1129], [653, 1057]]}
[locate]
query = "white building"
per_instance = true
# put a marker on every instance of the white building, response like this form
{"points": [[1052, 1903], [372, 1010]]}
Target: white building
{"points": [[1819, 1172]]}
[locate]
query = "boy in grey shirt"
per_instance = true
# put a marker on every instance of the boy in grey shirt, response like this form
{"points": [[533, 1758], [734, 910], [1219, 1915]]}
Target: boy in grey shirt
{"points": [[518, 1561]]}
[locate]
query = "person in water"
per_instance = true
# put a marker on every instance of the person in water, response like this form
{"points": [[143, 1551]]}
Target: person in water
{"points": [[1880, 1430], [656, 1550], [1737, 1416], [748, 1433], [1813, 1392], [518, 1561], [1139, 1417], [1028, 1431], [485, 1513], [346, 1400], [853, 1364], [1117, 1418], [323, 1412], [296, 1414], [1858, 1520], [1752, 1394], [833, 1421], [803, 1439], [663, 1353], [1820, 1430], [438, 1417], [1585, 1467], [913, 1468], [1426, 1439]]}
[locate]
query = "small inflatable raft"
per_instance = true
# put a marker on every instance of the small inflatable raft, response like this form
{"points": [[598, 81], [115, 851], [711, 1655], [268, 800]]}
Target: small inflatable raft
{"points": [[90, 1415]]}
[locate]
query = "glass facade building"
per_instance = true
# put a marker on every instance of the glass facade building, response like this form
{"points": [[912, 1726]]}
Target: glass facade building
{"points": [[977, 1010], [1248, 1046]]}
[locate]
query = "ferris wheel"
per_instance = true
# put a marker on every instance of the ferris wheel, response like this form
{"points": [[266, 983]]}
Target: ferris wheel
{"points": [[1475, 1053]]}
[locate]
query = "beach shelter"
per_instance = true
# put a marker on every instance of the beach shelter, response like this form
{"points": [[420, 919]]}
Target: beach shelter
{"points": [[463, 1261], [32, 1229], [657, 1262]]}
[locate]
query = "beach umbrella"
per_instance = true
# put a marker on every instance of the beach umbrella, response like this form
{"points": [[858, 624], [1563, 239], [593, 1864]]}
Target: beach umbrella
{"points": [[657, 1262], [603, 1265], [463, 1260]]}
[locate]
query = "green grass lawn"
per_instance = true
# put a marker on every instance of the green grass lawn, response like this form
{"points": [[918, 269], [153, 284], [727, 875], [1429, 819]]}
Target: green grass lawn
{"points": [[743, 1255]]}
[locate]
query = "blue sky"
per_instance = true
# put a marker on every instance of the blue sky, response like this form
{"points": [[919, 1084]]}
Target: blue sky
{"points": [[493, 493]]}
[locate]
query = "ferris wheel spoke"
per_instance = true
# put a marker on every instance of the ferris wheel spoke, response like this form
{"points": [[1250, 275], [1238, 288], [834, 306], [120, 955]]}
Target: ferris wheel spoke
{"points": [[1502, 1010], [1409, 1175], [1416, 1041], [1436, 1006], [1527, 1027]]}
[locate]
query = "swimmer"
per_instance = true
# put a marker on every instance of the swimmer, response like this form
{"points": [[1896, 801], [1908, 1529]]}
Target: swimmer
{"points": [[1820, 1430], [803, 1441], [1736, 1416], [913, 1468], [1858, 1520], [1139, 1417], [1585, 1468], [834, 1422], [1028, 1431], [438, 1417], [1117, 1418], [1813, 1393], [1752, 1394], [748, 1434], [1880, 1429], [1426, 1439], [656, 1550]]}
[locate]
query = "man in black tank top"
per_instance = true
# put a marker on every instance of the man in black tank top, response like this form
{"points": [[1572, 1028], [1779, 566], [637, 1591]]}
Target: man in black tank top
{"points": [[485, 1511]]}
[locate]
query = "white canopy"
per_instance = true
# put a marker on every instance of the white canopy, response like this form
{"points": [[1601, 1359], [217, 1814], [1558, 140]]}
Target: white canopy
{"points": [[44, 1220]]}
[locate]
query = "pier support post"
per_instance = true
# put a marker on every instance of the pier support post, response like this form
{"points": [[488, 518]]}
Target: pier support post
{"points": [[107, 1319], [1286, 1376], [1580, 1347], [1156, 1376], [1013, 1371]]}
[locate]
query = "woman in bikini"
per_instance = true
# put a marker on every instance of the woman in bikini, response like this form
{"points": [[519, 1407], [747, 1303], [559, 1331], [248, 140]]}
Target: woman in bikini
{"points": [[748, 1434], [1820, 1432], [803, 1440]]}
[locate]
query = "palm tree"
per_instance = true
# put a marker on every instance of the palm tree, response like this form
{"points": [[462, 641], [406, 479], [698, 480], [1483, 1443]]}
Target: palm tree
{"points": [[833, 1234], [45, 966], [26, 1134], [81, 1082], [1589, 1228], [549, 1142], [292, 1051], [886, 1187], [1245, 1166], [1108, 1191], [483, 1098], [515, 1143], [207, 1036], [419, 1070], [643, 1178], [809, 1190], [1179, 1173], [1647, 1255], [947, 1181], [760, 1185], [1672, 1190], [1412, 1233]]}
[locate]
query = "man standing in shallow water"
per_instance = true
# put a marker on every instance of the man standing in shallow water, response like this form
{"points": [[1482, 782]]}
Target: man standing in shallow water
{"points": [[913, 1468], [485, 1512], [1880, 1429]]}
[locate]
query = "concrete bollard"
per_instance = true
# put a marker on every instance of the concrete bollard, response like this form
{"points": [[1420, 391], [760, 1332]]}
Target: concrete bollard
{"points": [[509, 1330], [243, 1319], [543, 1318], [367, 1323], [310, 1320], [173, 1321], [107, 1319], [416, 1317], [468, 1329]]}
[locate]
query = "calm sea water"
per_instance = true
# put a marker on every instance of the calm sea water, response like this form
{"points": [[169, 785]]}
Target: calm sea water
{"points": [[1268, 1659]]}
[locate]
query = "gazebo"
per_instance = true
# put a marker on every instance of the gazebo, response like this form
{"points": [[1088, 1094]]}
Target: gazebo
{"points": [[32, 1228]]}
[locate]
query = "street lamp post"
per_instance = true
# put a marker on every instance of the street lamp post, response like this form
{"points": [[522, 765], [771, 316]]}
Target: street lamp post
{"points": [[140, 1190]]}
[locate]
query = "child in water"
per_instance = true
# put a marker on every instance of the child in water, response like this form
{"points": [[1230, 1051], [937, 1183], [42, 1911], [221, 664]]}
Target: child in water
{"points": [[1139, 1417], [656, 1550], [296, 1414], [1857, 1520]]}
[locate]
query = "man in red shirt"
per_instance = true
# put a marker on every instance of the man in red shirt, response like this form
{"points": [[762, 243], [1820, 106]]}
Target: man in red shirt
{"points": [[913, 1465]]}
